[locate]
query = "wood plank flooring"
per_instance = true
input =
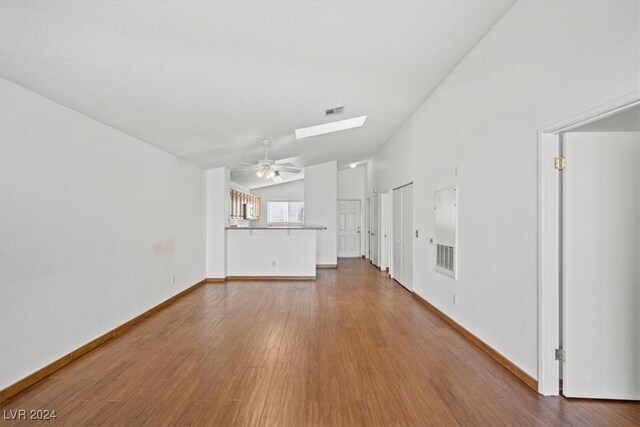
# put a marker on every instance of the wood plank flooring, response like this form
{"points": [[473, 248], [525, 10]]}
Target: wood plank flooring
{"points": [[352, 348]]}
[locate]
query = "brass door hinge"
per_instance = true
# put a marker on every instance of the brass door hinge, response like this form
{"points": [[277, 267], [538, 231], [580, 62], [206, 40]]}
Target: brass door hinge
{"points": [[560, 163], [560, 354]]}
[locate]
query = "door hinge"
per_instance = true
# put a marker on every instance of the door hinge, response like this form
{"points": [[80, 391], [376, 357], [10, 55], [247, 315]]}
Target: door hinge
{"points": [[560, 163], [560, 354]]}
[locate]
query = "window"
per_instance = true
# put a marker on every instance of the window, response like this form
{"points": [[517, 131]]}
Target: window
{"points": [[286, 212]]}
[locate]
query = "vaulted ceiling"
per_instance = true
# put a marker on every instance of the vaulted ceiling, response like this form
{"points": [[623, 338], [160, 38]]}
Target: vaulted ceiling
{"points": [[207, 80]]}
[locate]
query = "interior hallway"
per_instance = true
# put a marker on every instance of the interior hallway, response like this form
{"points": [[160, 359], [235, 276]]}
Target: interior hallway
{"points": [[352, 348]]}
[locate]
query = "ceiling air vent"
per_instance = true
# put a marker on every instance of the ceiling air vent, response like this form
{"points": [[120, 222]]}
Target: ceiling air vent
{"points": [[334, 111]]}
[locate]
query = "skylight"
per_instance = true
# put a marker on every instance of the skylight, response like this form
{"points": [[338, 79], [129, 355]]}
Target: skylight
{"points": [[330, 127]]}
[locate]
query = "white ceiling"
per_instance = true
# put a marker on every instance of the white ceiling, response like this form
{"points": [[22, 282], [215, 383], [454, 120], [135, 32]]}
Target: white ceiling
{"points": [[207, 80]]}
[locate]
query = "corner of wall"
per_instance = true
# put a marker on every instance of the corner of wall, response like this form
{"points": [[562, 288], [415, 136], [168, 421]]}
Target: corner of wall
{"points": [[218, 209]]}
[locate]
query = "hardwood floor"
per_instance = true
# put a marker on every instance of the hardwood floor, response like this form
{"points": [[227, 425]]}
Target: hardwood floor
{"points": [[352, 348]]}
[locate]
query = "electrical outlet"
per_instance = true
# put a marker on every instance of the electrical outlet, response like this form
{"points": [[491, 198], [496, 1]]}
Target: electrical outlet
{"points": [[455, 300], [273, 263], [174, 280]]}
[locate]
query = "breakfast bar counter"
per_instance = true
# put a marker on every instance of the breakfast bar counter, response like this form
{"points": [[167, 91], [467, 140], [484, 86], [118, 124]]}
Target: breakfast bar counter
{"points": [[278, 252]]}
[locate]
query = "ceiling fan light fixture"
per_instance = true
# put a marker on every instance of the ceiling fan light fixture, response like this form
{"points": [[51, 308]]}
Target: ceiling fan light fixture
{"points": [[269, 169], [353, 165]]}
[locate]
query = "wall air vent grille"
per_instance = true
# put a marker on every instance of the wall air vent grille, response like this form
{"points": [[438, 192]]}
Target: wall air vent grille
{"points": [[445, 257], [334, 111]]}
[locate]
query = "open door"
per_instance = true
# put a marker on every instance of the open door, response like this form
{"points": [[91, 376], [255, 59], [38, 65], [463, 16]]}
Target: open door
{"points": [[396, 235], [373, 237], [407, 236], [601, 265]]}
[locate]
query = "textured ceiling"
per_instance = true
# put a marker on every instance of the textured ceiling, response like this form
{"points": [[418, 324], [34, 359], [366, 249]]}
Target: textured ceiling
{"points": [[207, 80]]}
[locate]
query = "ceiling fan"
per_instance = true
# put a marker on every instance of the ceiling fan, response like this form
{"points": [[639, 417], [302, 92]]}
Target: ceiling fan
{"points": [[269, 169]]}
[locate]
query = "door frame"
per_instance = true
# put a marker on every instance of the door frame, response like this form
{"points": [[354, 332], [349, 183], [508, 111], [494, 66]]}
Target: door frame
{"points": [[360, 249], [550, 234]]}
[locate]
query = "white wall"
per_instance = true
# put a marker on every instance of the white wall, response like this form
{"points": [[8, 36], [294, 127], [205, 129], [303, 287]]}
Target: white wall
{"points": [[218, 212], [94, 225], [321, 208], [542, 63], [351, 185], [292, 190]]}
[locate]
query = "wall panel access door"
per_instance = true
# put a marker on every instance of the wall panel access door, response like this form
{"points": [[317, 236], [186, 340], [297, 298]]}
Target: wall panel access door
{"points": [[601, 265], [349, 228]]}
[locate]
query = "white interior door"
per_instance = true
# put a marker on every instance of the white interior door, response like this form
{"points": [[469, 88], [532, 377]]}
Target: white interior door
{"points": [[396, 235], [375, 213], [601, 265], [367, 212], [385, 214], [407, 236], [349, 228]]}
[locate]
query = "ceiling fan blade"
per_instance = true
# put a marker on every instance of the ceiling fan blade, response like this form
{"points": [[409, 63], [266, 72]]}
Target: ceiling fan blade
{"points": [[290, 170], [250, 164], [286, 165]]}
